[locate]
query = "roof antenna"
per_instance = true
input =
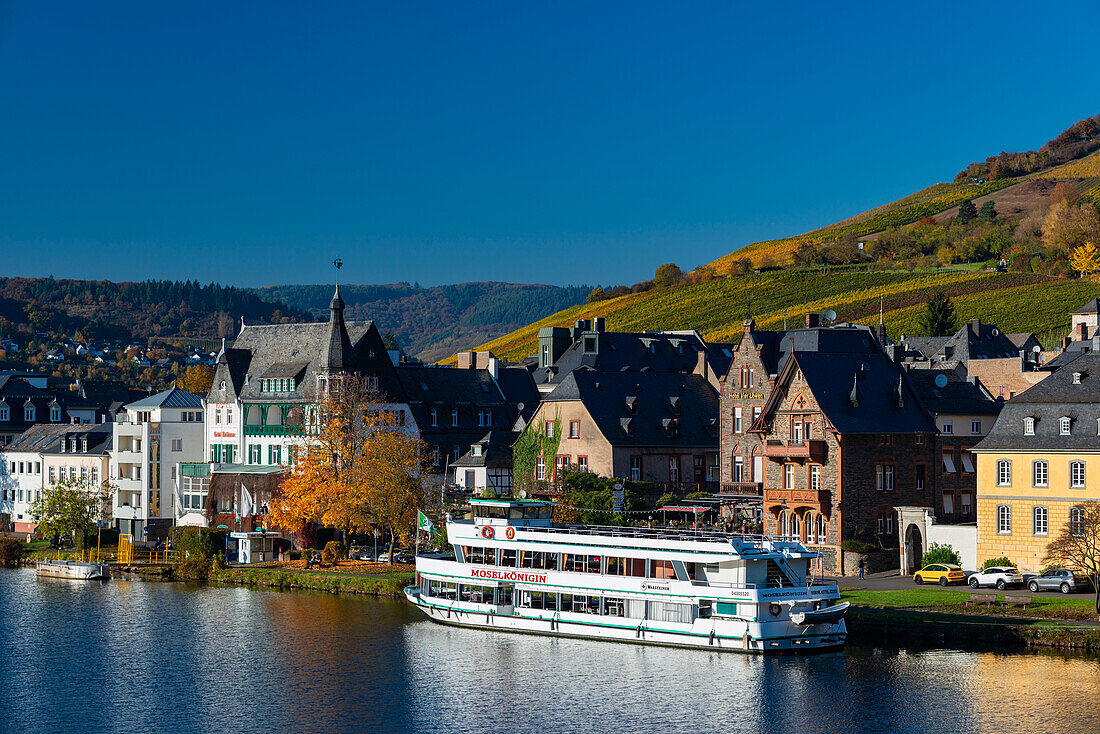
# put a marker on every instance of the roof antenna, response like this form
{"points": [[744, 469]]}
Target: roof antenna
{"points": [[784, 321], [880, 302]]}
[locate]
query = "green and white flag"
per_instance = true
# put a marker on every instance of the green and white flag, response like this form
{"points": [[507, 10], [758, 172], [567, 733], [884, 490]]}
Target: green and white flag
{"points": [[423, 523]]}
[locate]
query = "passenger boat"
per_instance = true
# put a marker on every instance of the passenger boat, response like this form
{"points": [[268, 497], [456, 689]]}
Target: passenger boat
{"points": [[74, 570], [515, 570]]}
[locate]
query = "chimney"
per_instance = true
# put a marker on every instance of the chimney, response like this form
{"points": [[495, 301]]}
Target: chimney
{"points": [[1065, 342], [702, 367], [1081, 332], [976, 327], [812, 320], [598, 324], [466, 360]]}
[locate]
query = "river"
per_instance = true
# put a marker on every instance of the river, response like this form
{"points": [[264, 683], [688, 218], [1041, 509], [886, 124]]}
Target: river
{"points": [[129, 656]]}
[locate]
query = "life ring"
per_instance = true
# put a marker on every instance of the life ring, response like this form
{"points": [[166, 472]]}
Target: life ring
{"points": [[510, 533], [487, 532], [775, 609]]}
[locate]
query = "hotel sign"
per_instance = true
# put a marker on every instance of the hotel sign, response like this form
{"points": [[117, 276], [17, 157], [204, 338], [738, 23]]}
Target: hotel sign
{"points": [[224, 434], [746, 396]]}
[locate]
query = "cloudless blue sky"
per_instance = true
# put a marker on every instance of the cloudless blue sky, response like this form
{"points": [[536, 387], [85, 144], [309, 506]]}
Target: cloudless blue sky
{"points": [[250, 143]]}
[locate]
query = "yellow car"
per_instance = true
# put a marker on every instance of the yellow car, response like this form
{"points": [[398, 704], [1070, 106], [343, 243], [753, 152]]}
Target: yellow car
{"points": [[941, 573]]}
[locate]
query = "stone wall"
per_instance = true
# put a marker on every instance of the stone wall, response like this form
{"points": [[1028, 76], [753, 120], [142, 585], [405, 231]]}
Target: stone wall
{"points": [[877, 561]]}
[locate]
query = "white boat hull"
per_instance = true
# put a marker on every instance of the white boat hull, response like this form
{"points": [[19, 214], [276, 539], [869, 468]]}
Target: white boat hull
{"points": [[74, 570], [710, 634]]}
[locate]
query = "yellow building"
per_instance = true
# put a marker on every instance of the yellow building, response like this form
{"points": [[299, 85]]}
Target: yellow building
{"points": [[1039, 464]]}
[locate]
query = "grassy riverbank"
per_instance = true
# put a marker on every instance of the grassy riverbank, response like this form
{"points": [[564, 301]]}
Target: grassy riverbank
{"points": [[385, 584], [942, 616]]}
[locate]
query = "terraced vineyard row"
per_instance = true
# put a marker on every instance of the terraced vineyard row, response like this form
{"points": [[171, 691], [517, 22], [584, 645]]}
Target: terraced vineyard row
{"points": [[781, 251], [1014, 301]]}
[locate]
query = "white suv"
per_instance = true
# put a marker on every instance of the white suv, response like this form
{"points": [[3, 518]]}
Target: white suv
{"points": [[999, 576]]}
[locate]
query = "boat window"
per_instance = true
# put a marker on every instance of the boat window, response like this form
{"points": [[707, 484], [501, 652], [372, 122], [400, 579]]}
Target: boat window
{"points": [[692, 570], [515, 513], [504, 595], [508, 557], [586, 604], [666, 611], [475, 554], [476, 594], [726, 609], [704, 608], [614, 606], [540, 600], [538, 559], [442, 590], [546, 513], [616, 566], [582, 564], [635, 567], [497, 512], [662, 570]]}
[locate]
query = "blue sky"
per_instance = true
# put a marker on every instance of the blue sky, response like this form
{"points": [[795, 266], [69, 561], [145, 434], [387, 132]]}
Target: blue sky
{"points": [[250, 143]]}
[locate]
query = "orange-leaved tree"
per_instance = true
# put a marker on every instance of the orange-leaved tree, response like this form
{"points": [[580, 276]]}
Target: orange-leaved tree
{"points": [[359, 468]]}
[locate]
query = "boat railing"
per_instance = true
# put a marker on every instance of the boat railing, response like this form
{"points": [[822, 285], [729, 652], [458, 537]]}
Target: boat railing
{"points": [[616, 531]]}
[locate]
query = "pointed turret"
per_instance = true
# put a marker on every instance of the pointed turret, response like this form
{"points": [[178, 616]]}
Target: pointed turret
{"points": [[855, 396], [338, 349]]}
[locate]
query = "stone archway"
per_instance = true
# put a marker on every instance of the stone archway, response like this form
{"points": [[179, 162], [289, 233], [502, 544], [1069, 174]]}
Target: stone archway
{"points": [[914, 549]]}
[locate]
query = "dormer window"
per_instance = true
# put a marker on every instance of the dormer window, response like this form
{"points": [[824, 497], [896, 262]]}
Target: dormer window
{"points": [[84, 445], [454, 418], [1076, 378], [1029, 426], [435, 417], [477, 449], [55, 413], [28, 413], [1064, 424], [5, 415]]}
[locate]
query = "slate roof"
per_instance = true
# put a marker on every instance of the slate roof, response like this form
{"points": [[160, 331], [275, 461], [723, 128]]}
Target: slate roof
{"points": [[43, 438], [618, 351], [958, 397], [1047, 402], [605, 396], [308, 350], [496, 452], [108, 395], [16, 392], [468, 391], [173, 397], [974, 340], [1092, 306], [777, 346], [833, 378]]}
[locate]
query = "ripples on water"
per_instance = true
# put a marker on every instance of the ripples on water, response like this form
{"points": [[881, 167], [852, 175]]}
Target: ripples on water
{"points": [[132, 656]]}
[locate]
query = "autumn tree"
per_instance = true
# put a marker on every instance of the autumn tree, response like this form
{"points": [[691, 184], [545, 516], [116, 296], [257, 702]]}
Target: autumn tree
{"points": [[1078, 545], [197, 379], [1066, 227], [1085, 259], [667, 274], [939, 317], [359, 470]]}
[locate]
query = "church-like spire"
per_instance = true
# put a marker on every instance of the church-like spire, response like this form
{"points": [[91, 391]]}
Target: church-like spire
{"points": [[338, 349]]}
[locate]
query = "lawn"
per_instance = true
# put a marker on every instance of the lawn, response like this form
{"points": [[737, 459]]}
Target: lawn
{"points": [[950, 601]]}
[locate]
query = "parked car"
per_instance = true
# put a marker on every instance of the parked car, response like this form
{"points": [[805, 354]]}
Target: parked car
{"points": [[363, 555], [940, 573], [1061, 579], [1000, 576]]}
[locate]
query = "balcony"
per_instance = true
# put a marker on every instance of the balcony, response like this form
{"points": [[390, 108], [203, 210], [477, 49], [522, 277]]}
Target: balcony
{"points": [[742, 488], [813, 449], [794, 497]]}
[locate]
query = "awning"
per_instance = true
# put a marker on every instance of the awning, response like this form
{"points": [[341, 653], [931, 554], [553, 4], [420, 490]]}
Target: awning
{"points": [[948, 464], [968, 465], [679, 508]]}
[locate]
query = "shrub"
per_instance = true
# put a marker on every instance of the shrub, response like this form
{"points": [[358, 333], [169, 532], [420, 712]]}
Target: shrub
{"points": [[1002, 561], [859, 546], [697, 495], [939, 554], [11, 550], [334, 551], [666, 499], [196, 549]]}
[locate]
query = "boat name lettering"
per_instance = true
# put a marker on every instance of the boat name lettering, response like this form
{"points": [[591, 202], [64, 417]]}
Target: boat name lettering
{"points": [[655, 587], [488, 573], [773, 594]]}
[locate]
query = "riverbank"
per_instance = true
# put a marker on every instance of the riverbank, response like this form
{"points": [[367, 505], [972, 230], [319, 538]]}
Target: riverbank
{"points": [[387, 584], [942, 616]]}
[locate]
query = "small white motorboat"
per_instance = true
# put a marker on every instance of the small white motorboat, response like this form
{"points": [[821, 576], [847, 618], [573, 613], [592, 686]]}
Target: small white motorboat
{"points": [[74, 570]]}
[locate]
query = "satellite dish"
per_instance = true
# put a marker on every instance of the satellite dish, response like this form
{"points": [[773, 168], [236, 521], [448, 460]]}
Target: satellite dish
{"points": [[830, 315], [941, 380], [519, 406], [523, 494]]}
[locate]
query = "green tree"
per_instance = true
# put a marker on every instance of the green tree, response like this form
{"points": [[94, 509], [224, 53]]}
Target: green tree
{"points": [[967, 212], [939, 317], [667, 274], [71, 508], [988, 212], [940, 554]]}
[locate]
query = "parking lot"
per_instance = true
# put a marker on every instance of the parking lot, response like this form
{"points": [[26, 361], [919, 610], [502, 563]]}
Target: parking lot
{"points": [[893, 581]]}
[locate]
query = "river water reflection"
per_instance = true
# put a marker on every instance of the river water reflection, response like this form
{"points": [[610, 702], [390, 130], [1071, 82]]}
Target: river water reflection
{"points": [[132, 656]]}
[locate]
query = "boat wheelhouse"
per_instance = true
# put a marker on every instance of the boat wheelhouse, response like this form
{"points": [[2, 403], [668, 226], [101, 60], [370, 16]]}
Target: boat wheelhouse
{"points": [[515, 570]]}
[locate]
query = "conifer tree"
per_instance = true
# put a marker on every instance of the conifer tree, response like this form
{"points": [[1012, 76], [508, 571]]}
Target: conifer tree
{"points": [[939, 317]]}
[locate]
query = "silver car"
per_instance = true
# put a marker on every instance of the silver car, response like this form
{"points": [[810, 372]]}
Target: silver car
{"points": [[1000, 576], [1062, 579]]}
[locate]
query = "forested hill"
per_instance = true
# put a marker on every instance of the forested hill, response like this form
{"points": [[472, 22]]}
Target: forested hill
{"points": [[101, 309], [433, 323]]}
